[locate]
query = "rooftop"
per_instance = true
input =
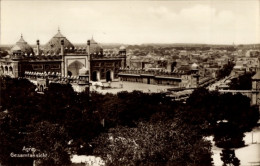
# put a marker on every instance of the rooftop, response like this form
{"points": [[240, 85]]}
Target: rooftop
{"points": [[256, 76], [22, 46], [54, 45]]}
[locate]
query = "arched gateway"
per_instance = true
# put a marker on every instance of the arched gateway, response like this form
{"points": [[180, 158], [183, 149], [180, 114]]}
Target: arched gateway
{"points": [[74, 67]]}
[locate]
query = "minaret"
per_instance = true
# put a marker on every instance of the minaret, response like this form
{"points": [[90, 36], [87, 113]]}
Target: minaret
{"points": [[62, 47], [89, 58], [124, 59], [38, 47], [122, 53], [62, 56]]}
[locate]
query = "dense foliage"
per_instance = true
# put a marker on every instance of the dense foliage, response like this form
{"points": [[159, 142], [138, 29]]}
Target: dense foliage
{"points": [[226, 116], [46, 122], [229, 158], [243, 82], [226, 70], [160, 143], [128, 128]]}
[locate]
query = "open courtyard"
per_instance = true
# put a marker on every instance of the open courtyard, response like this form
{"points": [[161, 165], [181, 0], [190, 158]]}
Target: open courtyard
{"points": [[116, 87]]}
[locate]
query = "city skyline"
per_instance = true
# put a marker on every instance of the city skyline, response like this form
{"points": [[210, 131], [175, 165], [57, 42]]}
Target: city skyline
{"points": [[137, 22]]}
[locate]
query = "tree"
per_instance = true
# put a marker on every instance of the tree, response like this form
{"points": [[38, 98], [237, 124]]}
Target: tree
{"points": [[11, 141], [57, 100], [227, 135], [229, 158], [27, 121], [226, 70], [9, 88], [72, 111], [140, 128], [127, 108], [161, 143], [52, 140], [226, 116], [243, 82]]}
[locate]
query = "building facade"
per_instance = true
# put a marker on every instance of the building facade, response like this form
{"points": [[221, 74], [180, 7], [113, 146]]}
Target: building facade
{"points": [[60, 57], [181, 78], [256, 89]]}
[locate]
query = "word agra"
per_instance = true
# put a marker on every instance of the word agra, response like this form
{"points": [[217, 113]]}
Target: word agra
{"points": [[29, 152]]}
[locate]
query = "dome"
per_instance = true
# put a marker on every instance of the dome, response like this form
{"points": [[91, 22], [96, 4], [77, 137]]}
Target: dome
{"points": [[122, 48], [162, 58], [54, 45], [22, 46], [134, 57], [149, 55], [95, 47], [194, 66], [83, 71]]}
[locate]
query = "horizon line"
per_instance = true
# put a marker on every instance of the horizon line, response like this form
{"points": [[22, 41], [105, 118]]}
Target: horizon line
{"points": [[151, 43]]}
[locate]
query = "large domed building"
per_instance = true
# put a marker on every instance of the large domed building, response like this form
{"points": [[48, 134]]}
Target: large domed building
{"points": [[60, 57]]}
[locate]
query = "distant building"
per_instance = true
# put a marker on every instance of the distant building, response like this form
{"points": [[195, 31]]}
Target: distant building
{"points": [[248, 63], [185, 77], [256, 89]]}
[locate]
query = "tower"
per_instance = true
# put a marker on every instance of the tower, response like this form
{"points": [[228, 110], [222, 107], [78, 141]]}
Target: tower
{"points": [[256, 89], [122, 54], [89, 58], [38, 47], [62, 57], [83, 81], [195, 75]]}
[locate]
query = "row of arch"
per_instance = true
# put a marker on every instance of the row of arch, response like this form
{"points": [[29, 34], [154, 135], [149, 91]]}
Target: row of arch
{"points": [[8, 70], [95, 76], [74, 68]]}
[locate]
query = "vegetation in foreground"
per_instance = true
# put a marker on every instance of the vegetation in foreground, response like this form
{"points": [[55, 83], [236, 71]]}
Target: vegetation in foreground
{"points": [[124, 129]]}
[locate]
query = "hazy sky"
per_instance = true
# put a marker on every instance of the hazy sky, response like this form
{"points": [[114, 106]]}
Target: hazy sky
{"points": [[132, 22]]}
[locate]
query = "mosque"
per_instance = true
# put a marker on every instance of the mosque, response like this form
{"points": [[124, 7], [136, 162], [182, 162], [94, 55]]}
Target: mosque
{"points": [[61, 61], [61, 58]]}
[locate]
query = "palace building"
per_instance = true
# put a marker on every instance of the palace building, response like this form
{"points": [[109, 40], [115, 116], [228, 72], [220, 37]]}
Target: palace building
{"points": [[61, 58]]}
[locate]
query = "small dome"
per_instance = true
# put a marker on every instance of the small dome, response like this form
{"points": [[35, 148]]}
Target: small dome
{"points": [[134, 57], [22, 46], [194, 66], [83, 71], [122, 48], [95, 47], [162, 58], [149, 56]]}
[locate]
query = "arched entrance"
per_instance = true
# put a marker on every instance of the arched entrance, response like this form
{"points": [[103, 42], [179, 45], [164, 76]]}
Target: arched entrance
{"points": [[74, 67], [41, 88], [2, 70], [10, 70], [69, 73], [94, 76], [108, 76], [6, 69], [148, 81]]}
